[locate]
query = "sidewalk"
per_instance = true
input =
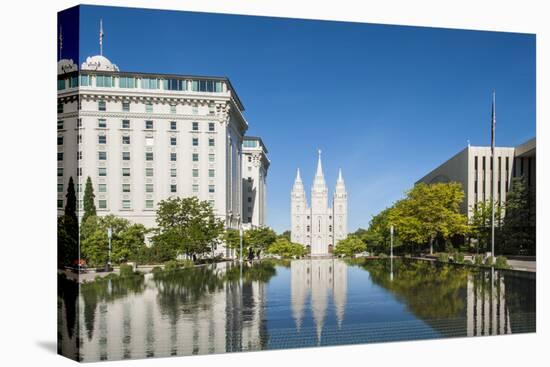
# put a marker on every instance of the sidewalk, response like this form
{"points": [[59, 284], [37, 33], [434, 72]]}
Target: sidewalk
{"points": [[523, 265]]}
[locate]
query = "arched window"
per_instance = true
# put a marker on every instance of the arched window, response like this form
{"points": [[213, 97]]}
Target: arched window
{"points": [[330, 228]]}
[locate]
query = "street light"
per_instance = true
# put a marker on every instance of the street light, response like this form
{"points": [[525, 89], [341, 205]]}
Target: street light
{"points": [[110, 236]]}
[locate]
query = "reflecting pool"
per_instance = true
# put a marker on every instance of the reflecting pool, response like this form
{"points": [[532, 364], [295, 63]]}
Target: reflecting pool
{"points": [[227, 307]]}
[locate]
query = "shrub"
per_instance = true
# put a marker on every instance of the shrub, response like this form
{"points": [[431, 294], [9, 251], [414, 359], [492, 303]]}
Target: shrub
{"points": [[489, 261], [126, 270], [469, 262], [443, 257], [458, 257], [171, 265], [382, 255], [156, 269], [501, 263], [478, 260], [187, 263]]}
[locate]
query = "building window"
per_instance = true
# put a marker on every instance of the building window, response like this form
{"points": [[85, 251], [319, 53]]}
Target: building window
{"points": [[101, 106], [173, 172], [85, 80], [173, 188], [195, 157], [60, 140], [195, 188], [211, 157], [59, 203], [195, 142], [195, 172], [475, 162], [148, 156], [102, 171], [60, 172], [173, 157], [211, 126], [102, 188], [174, 84], [79, 171], [126, 204], [79, 138], [173, 125], [79, 122], [149, 172], [102, 156], [104, 81], [60, 187], [102, 123], [126, 106], [211, 142], [126, 82], [249, 199], [148, 107], [149, 204], [125, 172], [149, 124], [59, 107], [59, 124], [125, 187], [172, 108], [102, 204], [212, 203], [149, 188], [102, 139], [211, 173], [126, 139], [125, 156], [211, 189], [483, 163], [195, 126], [173, 141], [149, 83], [125, 124]]}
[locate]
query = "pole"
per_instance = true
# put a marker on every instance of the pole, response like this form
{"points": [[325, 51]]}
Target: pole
{"points": [[241, 243], [493, 128], [110, 235], [391, 252]]}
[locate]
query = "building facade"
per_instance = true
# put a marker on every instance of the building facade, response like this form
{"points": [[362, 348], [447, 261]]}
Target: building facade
{"points": [[472, 167], [255, 167], [143, 137], [318, 227]]}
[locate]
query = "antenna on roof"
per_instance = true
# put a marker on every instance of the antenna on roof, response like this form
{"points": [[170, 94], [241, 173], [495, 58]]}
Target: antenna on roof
{"points": [[60, 42], [101, 37]]}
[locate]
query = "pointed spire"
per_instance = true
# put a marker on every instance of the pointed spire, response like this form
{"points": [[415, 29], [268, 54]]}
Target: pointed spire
{"points": [[340, 179], [319, 166], [298, 177]]}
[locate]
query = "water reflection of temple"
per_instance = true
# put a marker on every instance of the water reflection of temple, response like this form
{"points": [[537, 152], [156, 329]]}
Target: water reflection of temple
{"points": [[318, 280]]}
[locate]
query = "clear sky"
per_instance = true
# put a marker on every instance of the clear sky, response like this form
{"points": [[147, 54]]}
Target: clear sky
{"points": [[387, 104]]}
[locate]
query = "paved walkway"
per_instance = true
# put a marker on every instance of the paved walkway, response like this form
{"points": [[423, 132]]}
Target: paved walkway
{"points": [[523, 265]]}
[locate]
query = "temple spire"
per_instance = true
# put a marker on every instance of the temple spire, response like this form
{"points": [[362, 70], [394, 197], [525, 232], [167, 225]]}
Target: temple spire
{"points": [[298, 177], [319, 166], [340, 179]]}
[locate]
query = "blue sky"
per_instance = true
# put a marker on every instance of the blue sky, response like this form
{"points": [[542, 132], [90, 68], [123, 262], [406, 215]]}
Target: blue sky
{"points": [[387, 104]]}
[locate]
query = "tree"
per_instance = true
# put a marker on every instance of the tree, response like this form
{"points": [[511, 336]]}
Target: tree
{"points": [[519, 225], [88, 201], [127, 240], [259, 239], [480, 222], [232, 240], [350, 246], [188, 226], [285, 248], [429, 212], [377, 237], [67, 229], [285, 234]]}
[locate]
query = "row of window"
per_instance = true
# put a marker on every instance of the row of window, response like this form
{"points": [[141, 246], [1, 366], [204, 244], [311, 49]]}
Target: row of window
{"points": [[102, 139], [126, 204], [102, 172], [130, 82]]}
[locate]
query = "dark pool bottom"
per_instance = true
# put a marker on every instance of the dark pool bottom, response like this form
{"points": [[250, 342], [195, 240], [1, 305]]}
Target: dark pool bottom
{"points": [[292, 304]]}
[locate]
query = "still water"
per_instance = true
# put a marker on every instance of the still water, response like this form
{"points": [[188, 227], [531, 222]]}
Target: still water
{"points": [[293, 304]]}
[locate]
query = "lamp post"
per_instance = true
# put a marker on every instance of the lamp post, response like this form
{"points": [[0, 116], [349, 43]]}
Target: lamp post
{"points": [[110, 236]]}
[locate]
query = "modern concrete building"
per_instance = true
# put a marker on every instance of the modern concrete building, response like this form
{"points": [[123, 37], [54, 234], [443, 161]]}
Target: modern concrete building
{"points": [[472, 167], [319, 227], [255, 167], [144, 137]]}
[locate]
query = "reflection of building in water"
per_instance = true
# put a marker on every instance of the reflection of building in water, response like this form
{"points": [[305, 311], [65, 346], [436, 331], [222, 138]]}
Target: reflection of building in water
{"points": [[319, 278], [486, 311], [166, 320]]}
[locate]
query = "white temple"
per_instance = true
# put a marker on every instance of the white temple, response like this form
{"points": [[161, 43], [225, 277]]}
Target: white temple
{"points": [[319, 227]]}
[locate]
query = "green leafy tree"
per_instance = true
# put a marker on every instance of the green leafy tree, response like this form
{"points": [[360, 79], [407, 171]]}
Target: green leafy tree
{"points": [[285, 234], [188, 226], [67, 229], [259, 239], [88, 200], [519, 225], [232, 240], [349, 246], [429, 212], [480, 222], [127, 240], [377, 237], [286, 249]]}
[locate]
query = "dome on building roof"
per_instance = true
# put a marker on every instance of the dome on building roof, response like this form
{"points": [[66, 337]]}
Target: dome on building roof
{"points": [[98, 62], [66, 66]]}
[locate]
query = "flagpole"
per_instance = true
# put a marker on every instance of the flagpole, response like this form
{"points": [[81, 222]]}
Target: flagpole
{"points": [[493, 128]]}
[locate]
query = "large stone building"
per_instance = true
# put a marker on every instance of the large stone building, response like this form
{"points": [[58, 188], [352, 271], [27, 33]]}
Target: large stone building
{"points": [[255, 167], [472, 167], [144, 137], [319, 227]]}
